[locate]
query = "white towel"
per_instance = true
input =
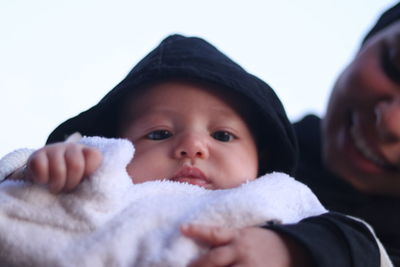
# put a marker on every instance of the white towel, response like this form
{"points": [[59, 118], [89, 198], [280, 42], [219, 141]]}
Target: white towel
{"points": [[109, 221]]}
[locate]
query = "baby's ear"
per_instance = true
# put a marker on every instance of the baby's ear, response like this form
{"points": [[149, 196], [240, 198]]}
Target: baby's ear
{"points": [[73, 138]]}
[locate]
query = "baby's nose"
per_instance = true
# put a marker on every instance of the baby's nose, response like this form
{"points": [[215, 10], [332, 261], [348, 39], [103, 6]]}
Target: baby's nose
{"points": [[388, 119], [192, 146]]}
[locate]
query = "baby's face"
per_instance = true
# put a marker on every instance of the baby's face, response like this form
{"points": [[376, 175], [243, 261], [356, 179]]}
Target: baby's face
{"points": [[187, 133]]}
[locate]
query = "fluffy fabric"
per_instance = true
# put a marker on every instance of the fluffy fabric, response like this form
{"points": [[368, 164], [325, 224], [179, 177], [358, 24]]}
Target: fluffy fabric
{"points": [[109, 221]]}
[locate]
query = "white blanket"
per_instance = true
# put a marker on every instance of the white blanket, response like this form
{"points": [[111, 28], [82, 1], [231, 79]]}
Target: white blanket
{"points": [[109, 221]]}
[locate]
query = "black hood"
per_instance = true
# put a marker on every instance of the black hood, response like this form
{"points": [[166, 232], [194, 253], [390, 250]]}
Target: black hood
{"points": [[387, 18], [179, 57]]}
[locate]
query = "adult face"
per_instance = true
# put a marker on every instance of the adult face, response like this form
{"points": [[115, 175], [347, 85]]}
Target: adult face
{"points": [[188, 133], [361, 129]]}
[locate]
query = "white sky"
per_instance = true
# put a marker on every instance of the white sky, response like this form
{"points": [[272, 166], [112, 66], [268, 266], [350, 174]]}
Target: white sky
{"points": [[58, 58]]}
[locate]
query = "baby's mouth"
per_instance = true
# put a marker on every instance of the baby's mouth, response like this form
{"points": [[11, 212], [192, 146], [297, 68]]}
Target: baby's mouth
{"points": [[191, 175]]}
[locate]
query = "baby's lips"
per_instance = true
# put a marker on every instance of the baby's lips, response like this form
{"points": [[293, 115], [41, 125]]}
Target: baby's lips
{"points": [[191, 175], [190, 172]]}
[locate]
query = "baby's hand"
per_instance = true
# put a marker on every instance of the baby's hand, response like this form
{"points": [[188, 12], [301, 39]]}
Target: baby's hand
{"points": [[62, 166], [252, 246]]}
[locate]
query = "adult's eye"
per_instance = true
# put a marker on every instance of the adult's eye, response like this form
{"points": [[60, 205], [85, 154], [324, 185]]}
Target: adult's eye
{"points": [[390, 61], [159, 135], [223, 136]]}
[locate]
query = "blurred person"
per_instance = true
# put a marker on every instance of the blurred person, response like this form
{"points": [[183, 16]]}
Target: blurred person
{"points": [[351, 157]]}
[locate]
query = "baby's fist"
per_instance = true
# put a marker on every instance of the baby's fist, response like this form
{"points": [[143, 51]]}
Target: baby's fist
{"points": [[62, 166]]}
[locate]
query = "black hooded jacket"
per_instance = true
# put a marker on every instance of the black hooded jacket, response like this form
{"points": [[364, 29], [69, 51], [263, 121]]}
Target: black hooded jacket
{"points": [[191, 58]]}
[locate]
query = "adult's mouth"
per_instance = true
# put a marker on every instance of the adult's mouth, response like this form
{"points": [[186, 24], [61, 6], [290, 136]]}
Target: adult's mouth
{"points": [[369, 152], [191, 175]]}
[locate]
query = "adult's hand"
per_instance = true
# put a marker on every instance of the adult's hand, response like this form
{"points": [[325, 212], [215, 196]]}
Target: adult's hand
{"points": [[252, 246]]}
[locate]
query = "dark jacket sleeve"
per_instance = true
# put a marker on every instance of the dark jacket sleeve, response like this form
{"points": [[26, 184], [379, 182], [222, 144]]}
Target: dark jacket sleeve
{"points": [[333, 239]]}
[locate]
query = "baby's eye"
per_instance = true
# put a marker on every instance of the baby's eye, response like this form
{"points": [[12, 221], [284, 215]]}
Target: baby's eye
{"points": [[223, 136], [159, 135]]}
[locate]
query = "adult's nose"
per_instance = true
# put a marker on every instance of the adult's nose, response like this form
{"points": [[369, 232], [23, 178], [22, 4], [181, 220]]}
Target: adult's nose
{"points": [[192, 146], [388, 119]]}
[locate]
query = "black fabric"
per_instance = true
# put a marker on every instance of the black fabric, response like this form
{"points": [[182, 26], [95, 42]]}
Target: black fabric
{"points": [[382, 213], [179, 57], [333, 240], [387, 18]]}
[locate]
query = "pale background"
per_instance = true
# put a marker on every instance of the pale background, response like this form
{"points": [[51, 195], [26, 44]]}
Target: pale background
{"points": [[58, 58]]}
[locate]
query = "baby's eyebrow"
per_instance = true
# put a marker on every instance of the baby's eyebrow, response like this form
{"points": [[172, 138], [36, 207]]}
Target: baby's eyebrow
{"points": [[151, 118], [155, 114], [158, 111]]}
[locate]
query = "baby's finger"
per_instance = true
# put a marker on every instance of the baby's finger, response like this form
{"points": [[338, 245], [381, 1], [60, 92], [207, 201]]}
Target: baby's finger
{"points": [[211, 235], [57, 170], [93, 158], [219, 256], [75, 167], [37, 168]]}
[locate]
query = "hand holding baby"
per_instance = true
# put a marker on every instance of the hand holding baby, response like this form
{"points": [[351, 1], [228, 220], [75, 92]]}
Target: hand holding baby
{"points": [[250, 246]]}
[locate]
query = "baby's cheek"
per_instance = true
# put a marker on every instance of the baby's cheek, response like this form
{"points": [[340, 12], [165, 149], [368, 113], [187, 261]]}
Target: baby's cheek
{"points": [[129, 170], [142, 171], [136, 171]]}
